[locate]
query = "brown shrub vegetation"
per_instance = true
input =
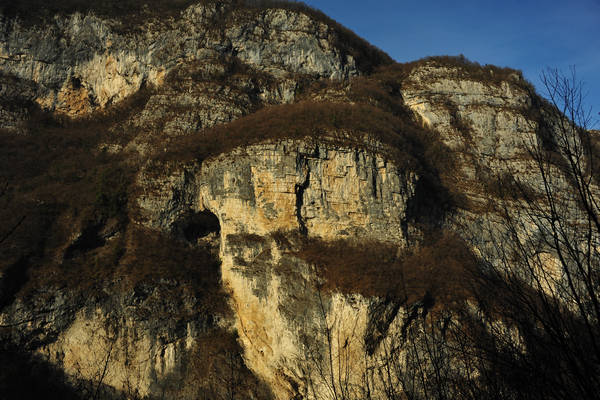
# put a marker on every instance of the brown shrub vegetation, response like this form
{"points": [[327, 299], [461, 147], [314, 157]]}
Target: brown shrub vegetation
{"points": [[336, 122], [469, 70], [57, 184], [504, 186], [134, 258], [341, 123], [382, 90], [407, 143], [225, 70], [217, 370], [154, 256], [57, 169], [437, 269]]}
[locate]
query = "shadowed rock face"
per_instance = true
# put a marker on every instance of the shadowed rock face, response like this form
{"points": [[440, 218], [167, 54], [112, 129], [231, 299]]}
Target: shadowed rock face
{"points": [[206, 256]]}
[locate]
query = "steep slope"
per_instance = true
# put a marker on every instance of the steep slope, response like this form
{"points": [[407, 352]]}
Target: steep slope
{"points": [[345, 177], [244, 200]]}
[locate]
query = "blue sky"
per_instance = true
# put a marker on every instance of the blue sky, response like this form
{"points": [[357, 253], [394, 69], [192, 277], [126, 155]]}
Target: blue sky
{"points": [[523, 34]]}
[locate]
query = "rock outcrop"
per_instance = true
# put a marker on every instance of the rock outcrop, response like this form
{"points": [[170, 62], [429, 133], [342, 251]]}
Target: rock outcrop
{"points": [[80, 63], [265, 195]]}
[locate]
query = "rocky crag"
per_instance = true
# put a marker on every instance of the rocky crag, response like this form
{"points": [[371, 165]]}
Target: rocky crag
{"points": [[242, 200]]}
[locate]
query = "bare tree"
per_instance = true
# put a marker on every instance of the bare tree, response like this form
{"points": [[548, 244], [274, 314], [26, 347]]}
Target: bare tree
{"points": [[543, 268], [11, 228]]}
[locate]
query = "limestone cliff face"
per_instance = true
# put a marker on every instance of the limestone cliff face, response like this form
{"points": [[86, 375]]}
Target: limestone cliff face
{"points": [[485, 123], [319, 189], [266, 197], [209, 65], [81, 62], [488, 125], [130, 343], [491, 125]]}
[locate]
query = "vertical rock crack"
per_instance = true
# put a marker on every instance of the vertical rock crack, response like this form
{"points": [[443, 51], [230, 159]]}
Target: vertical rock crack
{"points": [[299, 188], [374, 177]]}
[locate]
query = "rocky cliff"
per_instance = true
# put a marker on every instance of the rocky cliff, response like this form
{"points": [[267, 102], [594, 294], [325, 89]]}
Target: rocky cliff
{"points": [[75, 64], [245, 200]]}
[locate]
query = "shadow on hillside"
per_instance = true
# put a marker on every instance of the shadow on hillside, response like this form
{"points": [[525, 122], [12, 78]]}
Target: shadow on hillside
{"points": [[25, 376]]}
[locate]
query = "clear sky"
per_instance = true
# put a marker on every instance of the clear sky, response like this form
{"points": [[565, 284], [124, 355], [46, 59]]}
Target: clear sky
{"points": [[523, 34]]}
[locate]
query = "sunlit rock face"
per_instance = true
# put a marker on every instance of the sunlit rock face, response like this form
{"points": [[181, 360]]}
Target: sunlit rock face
{"points": [[318, 189], [81, 63], [489, 126], [267, 197], [139, 341], [485, 123], [134, 343]]}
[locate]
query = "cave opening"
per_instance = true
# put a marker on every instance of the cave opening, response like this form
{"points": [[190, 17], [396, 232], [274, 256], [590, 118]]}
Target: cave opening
{"points": [[76, 83], [197, 227], [89, 239]]}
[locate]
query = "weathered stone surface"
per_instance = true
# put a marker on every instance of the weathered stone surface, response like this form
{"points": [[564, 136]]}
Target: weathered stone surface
{"points": [[488, 126], [295, 188], [319, 189], [81, 62], [134, 342], [484, 122]]}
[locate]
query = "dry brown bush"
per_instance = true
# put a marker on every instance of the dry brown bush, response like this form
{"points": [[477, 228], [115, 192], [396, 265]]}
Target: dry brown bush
{"points": [[59, 183], [436, 269], [154, 256], [407, 143], [54, 168], [346, 124], [470, 70], [217, 370]]}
